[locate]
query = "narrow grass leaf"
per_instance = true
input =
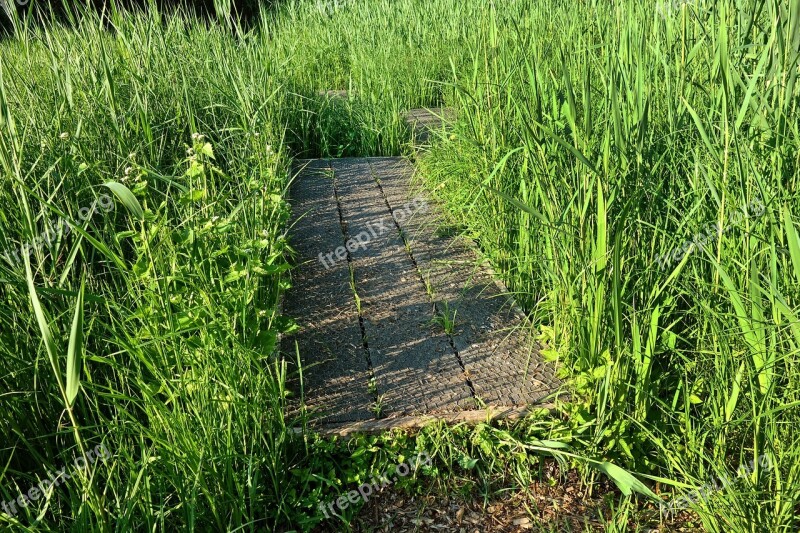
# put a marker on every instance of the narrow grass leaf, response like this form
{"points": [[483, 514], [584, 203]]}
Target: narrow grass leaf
{"points": [[44, 325], [127, 198], [793, 241], [75, 349], [625, 481]]}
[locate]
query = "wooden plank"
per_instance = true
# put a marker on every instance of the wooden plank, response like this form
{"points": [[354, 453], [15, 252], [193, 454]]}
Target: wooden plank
{"points": [[414, 365], [508, 413], [491, 335], [424, 121], [375, 272], [336, 373]]}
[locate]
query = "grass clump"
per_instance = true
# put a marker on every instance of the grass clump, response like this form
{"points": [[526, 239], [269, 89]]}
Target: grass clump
{"points": [[595, 141]]}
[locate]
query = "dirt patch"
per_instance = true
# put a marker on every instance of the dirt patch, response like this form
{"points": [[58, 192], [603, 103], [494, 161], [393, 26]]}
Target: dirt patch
{"points": [[554, 504]]}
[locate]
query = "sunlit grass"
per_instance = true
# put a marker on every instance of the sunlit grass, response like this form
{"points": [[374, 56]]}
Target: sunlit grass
{"points": [[591, 140], [624, 133]]}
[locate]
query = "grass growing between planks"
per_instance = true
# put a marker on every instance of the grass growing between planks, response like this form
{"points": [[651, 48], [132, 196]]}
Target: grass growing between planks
{"points": [[592, 142]]}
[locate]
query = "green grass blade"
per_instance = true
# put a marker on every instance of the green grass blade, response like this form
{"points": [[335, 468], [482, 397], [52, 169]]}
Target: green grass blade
{"points": [[51, 347], [702, 130], [626, 481], [127, 198], [733, 397], [793, 241], [75, 350], [601, 243]]}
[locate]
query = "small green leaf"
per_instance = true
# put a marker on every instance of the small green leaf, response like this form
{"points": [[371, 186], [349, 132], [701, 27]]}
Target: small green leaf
{"points": [[467, 463], [626, 481], [142, 267], [207, 150], [285, 325], [359, 452], [195, 169], [194, 195], [127, 198]]}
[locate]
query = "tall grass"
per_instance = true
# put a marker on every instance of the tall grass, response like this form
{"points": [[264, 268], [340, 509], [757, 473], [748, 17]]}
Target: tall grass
{"points": [[595, 140], [182, 278], [156, 322], [592, 140]]}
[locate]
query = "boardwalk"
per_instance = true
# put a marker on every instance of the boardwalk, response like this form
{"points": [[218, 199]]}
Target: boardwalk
{"points": [[400, 322]]}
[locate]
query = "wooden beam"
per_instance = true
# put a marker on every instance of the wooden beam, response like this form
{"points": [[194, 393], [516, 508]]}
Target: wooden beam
{"points": [[417, 422]]}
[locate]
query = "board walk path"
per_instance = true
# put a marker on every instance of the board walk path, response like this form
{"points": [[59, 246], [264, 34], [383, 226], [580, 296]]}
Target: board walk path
{"points": [[401, 323]]}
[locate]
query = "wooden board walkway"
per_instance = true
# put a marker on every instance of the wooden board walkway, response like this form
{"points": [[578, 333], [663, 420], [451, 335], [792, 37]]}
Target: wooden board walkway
{"points": [[400, 323]]}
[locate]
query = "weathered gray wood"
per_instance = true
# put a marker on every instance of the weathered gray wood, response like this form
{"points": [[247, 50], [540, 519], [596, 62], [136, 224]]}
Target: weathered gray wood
{"points": [[336, 373], [415, 367], [491, 336], [510, 413], [369, 312], [424, 121]]}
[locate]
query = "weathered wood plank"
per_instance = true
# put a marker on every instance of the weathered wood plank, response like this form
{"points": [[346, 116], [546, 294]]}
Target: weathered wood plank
{"points": [[414, 365], [336, 372], [491, 335]]}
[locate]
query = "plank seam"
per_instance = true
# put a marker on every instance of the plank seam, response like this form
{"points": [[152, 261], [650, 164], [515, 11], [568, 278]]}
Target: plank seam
{"points": [[351, 267], [410, 254]]}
